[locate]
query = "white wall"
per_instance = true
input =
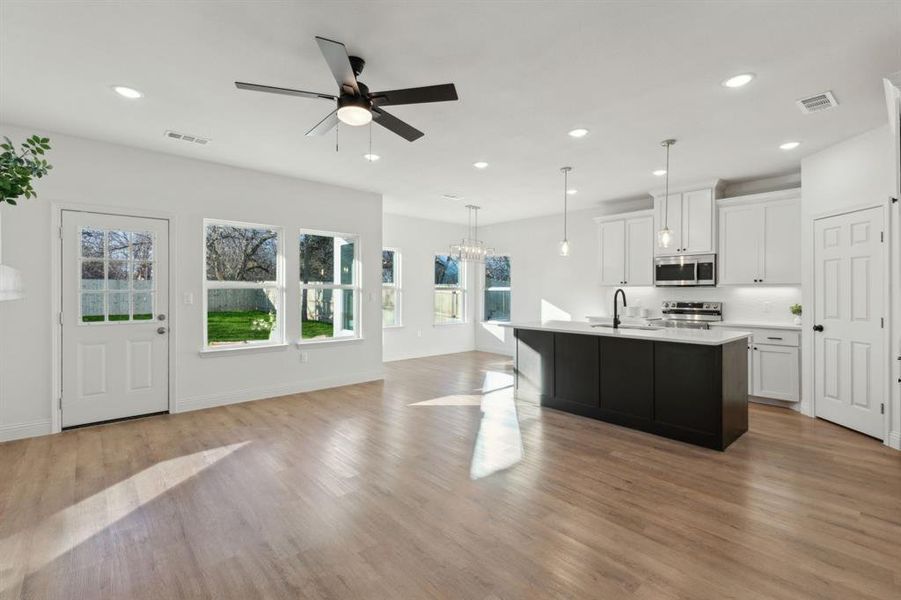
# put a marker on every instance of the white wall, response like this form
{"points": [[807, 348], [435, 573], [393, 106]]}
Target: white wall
{"points": [[854, 173], [546, 285], [418, 240], [123, 178]]}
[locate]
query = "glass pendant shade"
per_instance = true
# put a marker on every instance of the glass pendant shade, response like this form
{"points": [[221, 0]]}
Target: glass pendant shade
{"points": [[664, 237], [564, 248]]}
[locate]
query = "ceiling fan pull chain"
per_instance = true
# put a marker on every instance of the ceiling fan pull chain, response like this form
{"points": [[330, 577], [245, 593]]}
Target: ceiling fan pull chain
{"points": [[337, 129]]}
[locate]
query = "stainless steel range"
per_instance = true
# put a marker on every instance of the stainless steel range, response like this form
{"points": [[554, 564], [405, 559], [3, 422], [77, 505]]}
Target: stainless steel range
{"points": [[691, 315]]}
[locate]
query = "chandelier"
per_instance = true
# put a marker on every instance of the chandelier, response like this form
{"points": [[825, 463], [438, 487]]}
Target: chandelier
{"points": [[471, 248]]}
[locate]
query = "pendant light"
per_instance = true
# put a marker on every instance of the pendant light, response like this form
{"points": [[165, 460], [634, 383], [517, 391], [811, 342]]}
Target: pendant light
{"points": [[471, 248], [564, 245], [665, 235]]}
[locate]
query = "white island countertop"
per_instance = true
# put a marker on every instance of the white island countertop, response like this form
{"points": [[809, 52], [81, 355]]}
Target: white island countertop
{"points": [[706, 337]]}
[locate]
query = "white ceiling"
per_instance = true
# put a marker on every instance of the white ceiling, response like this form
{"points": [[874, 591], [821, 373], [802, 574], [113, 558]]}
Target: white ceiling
{"points": [[632, 72]]}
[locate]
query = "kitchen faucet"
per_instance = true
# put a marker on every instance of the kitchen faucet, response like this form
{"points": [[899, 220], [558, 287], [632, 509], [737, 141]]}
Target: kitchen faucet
{"points": [[615, 311]]}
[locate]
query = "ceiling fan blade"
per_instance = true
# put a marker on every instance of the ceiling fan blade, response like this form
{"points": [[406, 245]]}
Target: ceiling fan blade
{"points": [[418, 95], [335, 54], [326, 124], [392, 123], [255, 87]]}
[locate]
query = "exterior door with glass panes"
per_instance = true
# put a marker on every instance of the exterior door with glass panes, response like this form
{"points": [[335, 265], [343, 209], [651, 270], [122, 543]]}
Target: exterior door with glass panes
{"points": [[115, 317]]}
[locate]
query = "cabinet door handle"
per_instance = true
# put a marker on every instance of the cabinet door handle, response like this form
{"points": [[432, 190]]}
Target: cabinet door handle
{"points": [[755, 347], [774, 338], [818, 328]]}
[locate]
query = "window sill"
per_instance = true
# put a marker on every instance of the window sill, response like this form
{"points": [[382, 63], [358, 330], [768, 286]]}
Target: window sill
{"points": [[206, 352], [450, 324], [496, 322], [392, 326], [328, 342]]}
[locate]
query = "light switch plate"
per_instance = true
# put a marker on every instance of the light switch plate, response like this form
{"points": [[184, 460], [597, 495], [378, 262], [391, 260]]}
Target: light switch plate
{"points": [[189, 298]]}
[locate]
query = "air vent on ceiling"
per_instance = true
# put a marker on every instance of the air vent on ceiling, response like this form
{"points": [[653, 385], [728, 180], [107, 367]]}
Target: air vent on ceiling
{"points": [[185, 137], [451, 197], [817, 103]]}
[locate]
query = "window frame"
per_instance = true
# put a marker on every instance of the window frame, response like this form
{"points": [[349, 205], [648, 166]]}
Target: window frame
{"points": [[278, 339], [486, 289], [356, 287], [397, 286], [461, 286]]}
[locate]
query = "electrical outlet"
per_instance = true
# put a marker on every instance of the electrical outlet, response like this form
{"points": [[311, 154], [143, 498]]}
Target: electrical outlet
{"points": [[189, 298], [767, 307], [419, 333], [304, 357]]}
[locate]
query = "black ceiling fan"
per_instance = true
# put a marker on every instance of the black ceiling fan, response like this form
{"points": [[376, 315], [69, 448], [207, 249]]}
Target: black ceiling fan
{"points": [[356, 104]]}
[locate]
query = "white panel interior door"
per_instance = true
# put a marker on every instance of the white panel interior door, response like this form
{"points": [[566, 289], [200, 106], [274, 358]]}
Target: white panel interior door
{"points": [[115, 293], [849, 352], [697, 221], [613, 252], [640, 251]]}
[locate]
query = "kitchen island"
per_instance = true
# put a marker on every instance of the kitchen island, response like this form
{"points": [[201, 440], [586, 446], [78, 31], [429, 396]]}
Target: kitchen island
{"points": [[685, 384]]}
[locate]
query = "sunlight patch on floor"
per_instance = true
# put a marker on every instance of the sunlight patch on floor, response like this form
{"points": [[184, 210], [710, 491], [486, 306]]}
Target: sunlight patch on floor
{"points": [[66, 529]]}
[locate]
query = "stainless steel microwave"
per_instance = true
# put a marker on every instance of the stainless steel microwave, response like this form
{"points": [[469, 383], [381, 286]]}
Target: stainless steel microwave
{"points": [[696, 270]]}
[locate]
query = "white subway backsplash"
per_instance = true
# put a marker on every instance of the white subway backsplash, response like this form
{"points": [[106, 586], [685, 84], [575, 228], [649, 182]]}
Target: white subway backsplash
{"points": [[765, 304]]}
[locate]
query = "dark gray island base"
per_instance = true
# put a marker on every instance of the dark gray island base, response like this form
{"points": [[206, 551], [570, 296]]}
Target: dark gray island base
{"points": [[692, 392]]}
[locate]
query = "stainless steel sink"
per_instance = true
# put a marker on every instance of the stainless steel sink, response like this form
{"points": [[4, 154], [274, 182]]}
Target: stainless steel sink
{"points": [[641, 327]]}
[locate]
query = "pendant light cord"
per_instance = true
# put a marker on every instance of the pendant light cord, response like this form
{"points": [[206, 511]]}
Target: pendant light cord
{"points": [[565, 203], [666, 192]]}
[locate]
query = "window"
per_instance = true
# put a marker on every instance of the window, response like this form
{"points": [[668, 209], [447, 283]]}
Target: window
{"points": [[116, 275], [329, 286], [391, 288], [244, 285], [497, 288], [450, 293]]}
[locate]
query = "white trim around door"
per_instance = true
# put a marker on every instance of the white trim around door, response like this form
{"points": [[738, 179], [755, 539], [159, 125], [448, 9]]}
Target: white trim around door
{"points": [[886, 316], [56, 250]]}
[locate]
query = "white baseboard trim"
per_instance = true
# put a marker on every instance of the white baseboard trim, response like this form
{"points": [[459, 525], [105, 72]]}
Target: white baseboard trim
{"points": [[236, 396], [893, 440], [18, 431], [412, 355]]}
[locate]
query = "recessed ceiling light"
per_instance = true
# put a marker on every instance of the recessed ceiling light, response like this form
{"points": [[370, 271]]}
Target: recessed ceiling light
{"points": [[371, 157], [739, 80], [572, 192], [480, 164], [127, 92], [578, 133], [660, 172], [789, 145]]}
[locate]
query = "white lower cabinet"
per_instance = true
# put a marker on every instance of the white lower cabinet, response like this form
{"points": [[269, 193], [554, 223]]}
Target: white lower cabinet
{"points": [[774, 364], [775, 372]]}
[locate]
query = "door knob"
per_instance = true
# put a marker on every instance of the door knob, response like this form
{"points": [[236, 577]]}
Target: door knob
{"points": [[818, 328], [161, 330]]}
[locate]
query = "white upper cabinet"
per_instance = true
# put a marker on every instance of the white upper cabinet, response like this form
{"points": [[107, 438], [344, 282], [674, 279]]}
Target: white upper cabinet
{"points": [[760, 239], [613, 252], [740, 238], [626, 244], [781, 257], [691, 216], [698, 216], [640, 239]]}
